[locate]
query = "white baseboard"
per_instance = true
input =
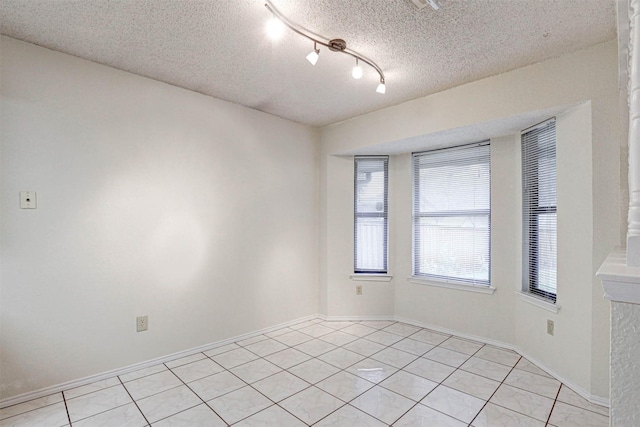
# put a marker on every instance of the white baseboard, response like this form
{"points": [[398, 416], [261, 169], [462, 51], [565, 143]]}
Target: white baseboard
{"points": [[21, 398], [121, 371]]}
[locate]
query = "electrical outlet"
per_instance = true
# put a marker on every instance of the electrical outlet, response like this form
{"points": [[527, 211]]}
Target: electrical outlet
{"points": [[358, 289], [28, 200], [550, 326], [142, 323]]}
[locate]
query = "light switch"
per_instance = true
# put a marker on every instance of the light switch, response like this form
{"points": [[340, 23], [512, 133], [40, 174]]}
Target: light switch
{"points": [[28, 200]]}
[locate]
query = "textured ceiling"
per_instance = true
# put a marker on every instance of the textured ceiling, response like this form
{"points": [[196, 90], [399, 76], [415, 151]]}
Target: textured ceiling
{"points": [[219, 47]]}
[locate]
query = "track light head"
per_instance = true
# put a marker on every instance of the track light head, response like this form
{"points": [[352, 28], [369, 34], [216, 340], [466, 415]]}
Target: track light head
{"points": [[314, 55], [382, 88], [275, 28], [356, 73]]}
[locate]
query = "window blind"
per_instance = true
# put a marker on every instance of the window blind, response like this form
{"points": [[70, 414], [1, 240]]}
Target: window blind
{"points": [[539, 200], [452, 214], [371, 210]]}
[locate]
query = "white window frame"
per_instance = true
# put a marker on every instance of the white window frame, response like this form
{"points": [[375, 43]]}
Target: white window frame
{"points": [[360, 271], [531, 210], [448, 281]]}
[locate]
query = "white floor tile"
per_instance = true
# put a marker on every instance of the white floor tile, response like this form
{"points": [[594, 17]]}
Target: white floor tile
{"points": [[429, 369], [292, 338], [372, 370], [167, 403], [185, 360], [472, 384], [462, 346], [239, 404], [525, 365], [448, 357], [21, 408], [564, 415], [345, 386], [413, 346], [316, 330], [90, 388], [221, 349], [200, 415], [454, 403], [569, 396], [313, 370], [377, 324], [216, 385], [430, 337], [311, 404], [409, 385], [394, 357], [272, 416], [524, 402], [197, 370], [358, 330], [315, 347], [534, 383], [233, 358], [383, 404], [338, 338], [364, 347], [402, 329], [255, 370], [384, 338], [485, 368], [47, 416], [421, 415], [280, 386], [498, 355], [337, 325], [341, 358], [349, 416], [152, 384], [123, 416], [266, 347], [99, 401], [252, 340], [142, 373], [288, 358], [497, 416]]}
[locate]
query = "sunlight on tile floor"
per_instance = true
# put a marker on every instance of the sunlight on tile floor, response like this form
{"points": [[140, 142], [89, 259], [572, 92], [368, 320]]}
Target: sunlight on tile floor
{"points": [[321, 373]]}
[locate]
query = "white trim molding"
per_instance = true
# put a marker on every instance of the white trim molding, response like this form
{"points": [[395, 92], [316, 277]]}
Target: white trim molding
{"points": [[460, 286], [371, 277], [539, 302], [621, 283]]}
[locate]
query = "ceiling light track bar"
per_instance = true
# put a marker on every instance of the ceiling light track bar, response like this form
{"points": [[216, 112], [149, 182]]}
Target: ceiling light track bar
{"points": [[335, 45]]}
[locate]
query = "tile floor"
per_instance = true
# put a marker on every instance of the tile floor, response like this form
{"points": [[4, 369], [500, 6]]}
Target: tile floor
{"points": [[323, 373]]}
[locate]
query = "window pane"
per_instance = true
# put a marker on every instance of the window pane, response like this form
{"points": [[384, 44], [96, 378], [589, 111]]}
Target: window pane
{"points": [[547, 253], [370, 241], [454, 247], [454, 188]]}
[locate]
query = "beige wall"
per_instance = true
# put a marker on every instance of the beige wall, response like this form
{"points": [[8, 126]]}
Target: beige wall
{"points": [[152, 200], [582, 90]]}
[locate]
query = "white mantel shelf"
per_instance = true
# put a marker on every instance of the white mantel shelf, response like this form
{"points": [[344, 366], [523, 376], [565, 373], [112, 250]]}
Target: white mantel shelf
{"points": [[621, 283]]}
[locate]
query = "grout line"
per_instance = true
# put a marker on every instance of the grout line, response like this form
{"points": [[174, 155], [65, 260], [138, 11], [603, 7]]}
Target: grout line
{"points": [[66, 408], [134, 401], [554, 404]]}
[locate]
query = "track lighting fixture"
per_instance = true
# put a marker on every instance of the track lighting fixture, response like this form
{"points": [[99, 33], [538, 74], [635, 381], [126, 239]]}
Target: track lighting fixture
{"points": [[314, 55], [279, 21]]}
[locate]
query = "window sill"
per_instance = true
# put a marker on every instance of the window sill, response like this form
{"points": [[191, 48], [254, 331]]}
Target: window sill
{"points": [[481, 289], [371, 277], [539, 302]]}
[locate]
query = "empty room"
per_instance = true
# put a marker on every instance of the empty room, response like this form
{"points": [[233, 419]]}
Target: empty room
{"points": [[339, 213]]}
